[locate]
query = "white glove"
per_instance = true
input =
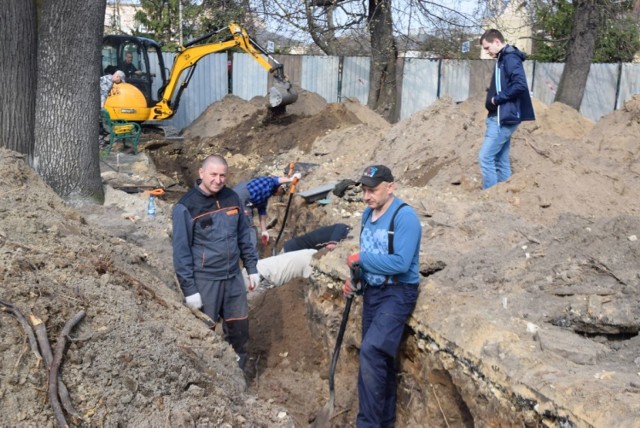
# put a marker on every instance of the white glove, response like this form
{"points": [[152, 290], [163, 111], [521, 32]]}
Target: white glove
{"points": [[297, 176], [264, 237], [194, 301], [254, 281]]}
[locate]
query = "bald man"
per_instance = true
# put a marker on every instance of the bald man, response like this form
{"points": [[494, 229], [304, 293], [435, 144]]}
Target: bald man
{"points": [[210, 236]]}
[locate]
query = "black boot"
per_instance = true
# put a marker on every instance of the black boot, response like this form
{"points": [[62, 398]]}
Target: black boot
{"points": [[237, 335]]}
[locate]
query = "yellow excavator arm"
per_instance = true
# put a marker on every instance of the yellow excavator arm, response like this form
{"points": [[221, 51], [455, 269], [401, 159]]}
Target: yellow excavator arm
{"points": [[280, 95]]}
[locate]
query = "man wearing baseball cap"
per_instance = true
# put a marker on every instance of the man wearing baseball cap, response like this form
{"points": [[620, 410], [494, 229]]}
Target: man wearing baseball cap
{"points": [[388, 264]]}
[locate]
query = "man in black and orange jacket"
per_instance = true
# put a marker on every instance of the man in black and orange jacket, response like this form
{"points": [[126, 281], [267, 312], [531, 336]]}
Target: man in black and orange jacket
{"points": [[211, 234]]}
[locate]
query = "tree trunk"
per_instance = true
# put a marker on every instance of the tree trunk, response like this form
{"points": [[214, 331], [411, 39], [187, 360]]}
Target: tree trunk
{"points": [[323, 34], [18, 71], [384, 54], [580, 51], [67, 100]]}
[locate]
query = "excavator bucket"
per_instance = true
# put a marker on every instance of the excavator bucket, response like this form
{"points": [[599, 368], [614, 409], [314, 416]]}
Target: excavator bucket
{"points": [[282, 94]]}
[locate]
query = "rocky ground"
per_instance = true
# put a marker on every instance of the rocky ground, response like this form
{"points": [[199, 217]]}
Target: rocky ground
{"points": [[528, 314]]}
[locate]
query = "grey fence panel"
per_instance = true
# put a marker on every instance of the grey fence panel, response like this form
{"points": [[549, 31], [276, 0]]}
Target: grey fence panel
{"points": [[480, 77], [208, 84], [154, 67], [600, 92], [481, 72], [547, 77], [455, 79], [355, 78], [292, 68], [320, 75], [179, 119], [528, 71], [419, 85], [249, 78], [629, 83], [459, 80]]}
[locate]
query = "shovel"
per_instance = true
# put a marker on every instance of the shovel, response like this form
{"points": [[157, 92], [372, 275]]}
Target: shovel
{"points": [[323, 418], [292, 190]]}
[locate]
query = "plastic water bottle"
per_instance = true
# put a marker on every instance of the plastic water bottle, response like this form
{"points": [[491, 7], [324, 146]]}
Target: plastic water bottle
{"points": [[151, 208]]}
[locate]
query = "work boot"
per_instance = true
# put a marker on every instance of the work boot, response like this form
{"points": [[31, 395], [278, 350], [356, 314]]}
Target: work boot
{"points": [[237, 335]]}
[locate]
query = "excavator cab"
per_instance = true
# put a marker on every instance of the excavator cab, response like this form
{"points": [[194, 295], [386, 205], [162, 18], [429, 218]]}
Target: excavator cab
{"points": [[142, 63], [150, 93]]}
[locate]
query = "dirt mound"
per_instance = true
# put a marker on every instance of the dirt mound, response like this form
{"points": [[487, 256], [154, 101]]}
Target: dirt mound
{"points": [[54, 265], [232, 110], [262, 136], [562, 121], [533, 280], [366, 115], [613, 142], [308, 103], [227, 113]]}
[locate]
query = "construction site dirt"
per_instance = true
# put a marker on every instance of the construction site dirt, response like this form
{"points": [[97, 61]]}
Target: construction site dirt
{"points": [[528, 314]]}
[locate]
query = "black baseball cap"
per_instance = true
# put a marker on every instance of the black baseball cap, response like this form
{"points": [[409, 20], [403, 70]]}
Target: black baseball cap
{"points": [[376, 174]]}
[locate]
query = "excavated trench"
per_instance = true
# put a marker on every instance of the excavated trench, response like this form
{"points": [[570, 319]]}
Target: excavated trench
{"points": [[292, 335], [293, 332], [293, 329]]}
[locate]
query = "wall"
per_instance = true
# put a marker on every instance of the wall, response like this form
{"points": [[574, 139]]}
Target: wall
{"points": [[422, 81]]}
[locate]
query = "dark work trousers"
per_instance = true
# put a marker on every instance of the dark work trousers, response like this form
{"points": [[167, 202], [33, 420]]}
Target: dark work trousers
{"points": [[385, 311], [227, 299]]}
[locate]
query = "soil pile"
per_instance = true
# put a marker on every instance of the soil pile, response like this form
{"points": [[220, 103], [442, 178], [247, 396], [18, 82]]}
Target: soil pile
{"points": [[138, 357], [529, 300]]}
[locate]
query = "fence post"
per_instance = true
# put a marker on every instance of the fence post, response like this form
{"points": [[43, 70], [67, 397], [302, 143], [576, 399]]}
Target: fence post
{"points": [[615, 102], [533, 76], [439, 78], [340, 68]]}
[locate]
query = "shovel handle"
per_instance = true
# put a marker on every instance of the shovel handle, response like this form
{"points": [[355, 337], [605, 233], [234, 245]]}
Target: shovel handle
{"points": [[292, 188], [336, 351]]}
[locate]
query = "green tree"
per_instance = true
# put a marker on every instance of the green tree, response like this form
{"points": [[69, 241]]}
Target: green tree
{"points": [[161, 19], [618, 31], [619, 39]]}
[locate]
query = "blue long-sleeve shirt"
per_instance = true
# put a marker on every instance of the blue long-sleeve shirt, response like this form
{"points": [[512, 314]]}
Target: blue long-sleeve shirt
{"points": [[376, 263]]}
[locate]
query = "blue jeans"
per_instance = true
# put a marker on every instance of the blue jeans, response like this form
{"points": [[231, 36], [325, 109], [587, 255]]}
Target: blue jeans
{"points": [[385, 311], [494, 153]]}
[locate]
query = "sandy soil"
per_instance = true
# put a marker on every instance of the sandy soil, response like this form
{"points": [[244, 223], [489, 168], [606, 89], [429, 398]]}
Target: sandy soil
{"points": [[530, 287]]}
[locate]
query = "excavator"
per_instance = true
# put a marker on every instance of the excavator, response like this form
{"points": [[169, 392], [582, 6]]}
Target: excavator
{"points": [[150, 95]]}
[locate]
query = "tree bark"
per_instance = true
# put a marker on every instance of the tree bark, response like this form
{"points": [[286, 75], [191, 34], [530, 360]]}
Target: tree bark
{"points": [[580, 52], [384, 54], [18, 71], [323, 34], [67, 99]]}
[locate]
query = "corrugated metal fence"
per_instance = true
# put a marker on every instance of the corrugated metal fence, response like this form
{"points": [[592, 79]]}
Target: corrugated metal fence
{"points": [[422, 81]]}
